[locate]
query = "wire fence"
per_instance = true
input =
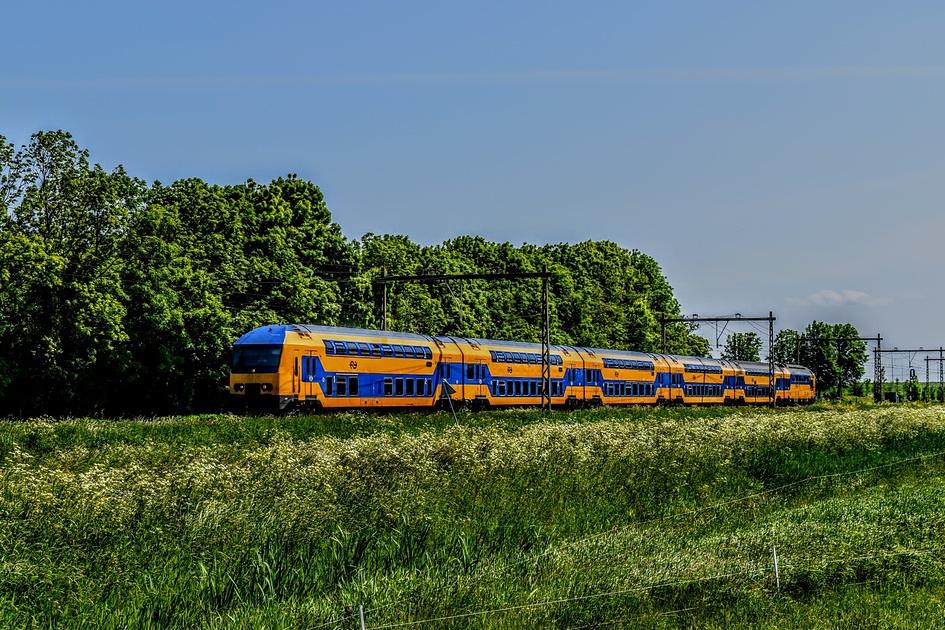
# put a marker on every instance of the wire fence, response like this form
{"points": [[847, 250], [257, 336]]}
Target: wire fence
{"points": [[757, 567], [768, 575]]}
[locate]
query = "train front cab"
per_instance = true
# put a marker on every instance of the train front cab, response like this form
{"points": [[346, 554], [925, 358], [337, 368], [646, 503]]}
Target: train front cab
{"points": [[260, 370]]}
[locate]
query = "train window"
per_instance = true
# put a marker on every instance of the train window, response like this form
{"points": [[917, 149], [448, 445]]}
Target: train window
{"points": [[501, 386], [352, 385], [398, 387], [386, 350], [427, 353], [429, 387], [341, 386], [329, 385], [533, 388], [376, 349], [388, 386], [329, 346], [470, 372], [398, 350], [410, 387], [517, 388], [364, 349]]}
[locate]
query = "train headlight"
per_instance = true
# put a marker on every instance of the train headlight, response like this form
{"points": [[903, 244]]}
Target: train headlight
{"points": [[266, 387], [239, 387]]}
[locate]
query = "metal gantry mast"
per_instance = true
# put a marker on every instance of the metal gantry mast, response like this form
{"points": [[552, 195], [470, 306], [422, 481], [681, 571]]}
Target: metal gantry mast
{"points": [[877, 365], [737, 317], [912, 352], [543, 275]]}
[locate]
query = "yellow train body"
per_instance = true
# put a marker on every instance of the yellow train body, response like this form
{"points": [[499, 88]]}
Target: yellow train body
{"points": [[350, 368]]}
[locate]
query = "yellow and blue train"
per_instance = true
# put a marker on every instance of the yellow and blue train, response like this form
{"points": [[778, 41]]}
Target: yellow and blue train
{"points": [[298, 365]]}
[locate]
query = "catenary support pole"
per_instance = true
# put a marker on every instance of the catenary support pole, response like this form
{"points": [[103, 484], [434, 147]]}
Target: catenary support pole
{"points": [[361, 613], [772, 383], [384, 302], [545, 343]]}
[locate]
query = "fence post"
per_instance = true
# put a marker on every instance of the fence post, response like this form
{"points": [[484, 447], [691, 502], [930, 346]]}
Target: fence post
{"points": [[361, 612], [777, 575]]}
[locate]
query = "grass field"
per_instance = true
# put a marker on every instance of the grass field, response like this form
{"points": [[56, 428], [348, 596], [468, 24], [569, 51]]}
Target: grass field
{"points": [[604, 518]]}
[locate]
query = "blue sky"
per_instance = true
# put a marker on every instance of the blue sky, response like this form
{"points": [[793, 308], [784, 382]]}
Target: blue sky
{"points": [[771, 156]]}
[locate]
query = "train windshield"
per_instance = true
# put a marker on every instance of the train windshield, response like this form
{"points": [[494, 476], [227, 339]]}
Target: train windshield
{"points": [[259, 359]]}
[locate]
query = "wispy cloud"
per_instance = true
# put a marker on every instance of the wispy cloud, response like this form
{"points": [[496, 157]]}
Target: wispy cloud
{"points": [[841, 297], [586, 75]]}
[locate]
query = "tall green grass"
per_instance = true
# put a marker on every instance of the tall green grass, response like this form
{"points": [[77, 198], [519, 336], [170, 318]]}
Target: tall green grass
{"points": [[631, 516]]}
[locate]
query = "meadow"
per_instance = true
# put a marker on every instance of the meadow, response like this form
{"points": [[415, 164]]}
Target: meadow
{"points": [[593, 519]]}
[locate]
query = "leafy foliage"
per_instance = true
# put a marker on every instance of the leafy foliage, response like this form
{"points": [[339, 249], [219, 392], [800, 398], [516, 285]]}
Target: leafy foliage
{"points": [[744, 346], [832, 351], [118, 296]]}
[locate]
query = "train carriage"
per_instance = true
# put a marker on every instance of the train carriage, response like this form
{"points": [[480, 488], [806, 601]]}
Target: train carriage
{"points": [[627, 377], [350, 368]]}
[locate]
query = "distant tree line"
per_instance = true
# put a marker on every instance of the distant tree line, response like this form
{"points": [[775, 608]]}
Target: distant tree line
{"points": [[831, 351], [118, 296]]}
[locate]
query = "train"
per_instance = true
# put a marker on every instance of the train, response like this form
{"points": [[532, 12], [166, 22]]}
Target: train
{"points": [[288, 366]]}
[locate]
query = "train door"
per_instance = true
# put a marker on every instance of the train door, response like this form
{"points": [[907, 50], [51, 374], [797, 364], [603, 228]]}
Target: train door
{"points": [[296, 371], [472, 379], [308, 375]]}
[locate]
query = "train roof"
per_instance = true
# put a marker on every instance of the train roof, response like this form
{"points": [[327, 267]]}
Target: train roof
{"points": [[623, 354], [275, 334], [524, 345]]}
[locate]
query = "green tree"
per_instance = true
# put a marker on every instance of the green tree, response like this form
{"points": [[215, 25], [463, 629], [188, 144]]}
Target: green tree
{"points": [[744, 346], [786, 349], [115, 295], [63, 308]]}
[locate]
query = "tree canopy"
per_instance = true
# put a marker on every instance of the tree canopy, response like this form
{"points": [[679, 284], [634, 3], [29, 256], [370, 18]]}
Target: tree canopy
{"points": [[831, 351], [742, 346], [119, 296]]}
